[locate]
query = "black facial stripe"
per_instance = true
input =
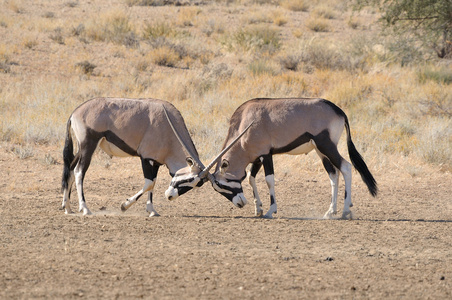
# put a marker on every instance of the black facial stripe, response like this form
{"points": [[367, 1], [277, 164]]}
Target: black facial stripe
{"points": [[183, 190], [179, 182], [234, 191]]}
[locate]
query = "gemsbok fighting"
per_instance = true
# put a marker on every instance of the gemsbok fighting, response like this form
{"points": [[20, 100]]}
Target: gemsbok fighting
{"points": [[291, 126], [129, 127]]}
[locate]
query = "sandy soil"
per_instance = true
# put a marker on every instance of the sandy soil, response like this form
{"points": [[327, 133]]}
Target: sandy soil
{"points": [[398, 245]]}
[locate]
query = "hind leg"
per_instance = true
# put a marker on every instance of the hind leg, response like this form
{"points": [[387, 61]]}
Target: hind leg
{"points": [[85, 155], [346, 170], [257, 164], [67, 195], [326, 148], [333, 173]]}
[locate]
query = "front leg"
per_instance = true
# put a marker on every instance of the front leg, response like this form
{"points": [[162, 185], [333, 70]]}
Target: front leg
{"points": [[257, 164], [150, 170], [150, 206], [270, 179]]}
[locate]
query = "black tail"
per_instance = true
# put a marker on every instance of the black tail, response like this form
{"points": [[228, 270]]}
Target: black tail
{"points": [[359, 164], [68, 156]]}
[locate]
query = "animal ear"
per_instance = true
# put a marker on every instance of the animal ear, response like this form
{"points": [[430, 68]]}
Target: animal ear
{"points": [[224, 166], [190, 161]]}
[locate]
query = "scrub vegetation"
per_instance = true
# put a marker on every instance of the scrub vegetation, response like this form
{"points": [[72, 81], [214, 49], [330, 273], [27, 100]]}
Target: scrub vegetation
{"points": [[208, 57]]}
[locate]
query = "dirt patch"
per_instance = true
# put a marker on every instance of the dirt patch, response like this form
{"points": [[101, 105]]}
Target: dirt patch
{"points": [[398, 245]]}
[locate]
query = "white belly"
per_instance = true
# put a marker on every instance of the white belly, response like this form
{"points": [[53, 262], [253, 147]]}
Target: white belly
{"points": [[303, 149], [111, 149]]}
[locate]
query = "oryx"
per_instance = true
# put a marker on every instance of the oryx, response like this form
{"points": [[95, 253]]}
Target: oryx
{"points": [[129, 127], [292, 126]]}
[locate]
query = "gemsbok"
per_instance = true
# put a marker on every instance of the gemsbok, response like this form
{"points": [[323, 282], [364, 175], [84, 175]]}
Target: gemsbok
{"points": [[129, 127], [292, 126]]}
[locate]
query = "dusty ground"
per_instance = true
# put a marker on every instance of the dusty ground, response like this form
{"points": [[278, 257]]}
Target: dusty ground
{"points": [[398, 245]]}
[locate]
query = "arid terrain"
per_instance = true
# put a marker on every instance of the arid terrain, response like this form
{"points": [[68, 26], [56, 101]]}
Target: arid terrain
{"points": [[208, 57], [397, 246]]}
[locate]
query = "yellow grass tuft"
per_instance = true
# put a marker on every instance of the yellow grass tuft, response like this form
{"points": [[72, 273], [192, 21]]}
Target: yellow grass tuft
{"points": [[295, 5]]}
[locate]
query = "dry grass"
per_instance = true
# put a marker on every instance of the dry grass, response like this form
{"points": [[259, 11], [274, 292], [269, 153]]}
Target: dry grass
{"points": [[208, 59]]}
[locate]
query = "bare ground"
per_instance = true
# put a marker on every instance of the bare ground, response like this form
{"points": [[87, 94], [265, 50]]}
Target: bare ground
{"points": [[397, 246]]}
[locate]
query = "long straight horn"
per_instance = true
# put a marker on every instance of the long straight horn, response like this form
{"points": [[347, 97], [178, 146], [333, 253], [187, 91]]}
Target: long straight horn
{"points": [[192, 155], [206, 170]]}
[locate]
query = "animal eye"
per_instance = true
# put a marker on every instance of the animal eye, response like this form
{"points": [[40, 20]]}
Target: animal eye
{"points": [[224, 164]]}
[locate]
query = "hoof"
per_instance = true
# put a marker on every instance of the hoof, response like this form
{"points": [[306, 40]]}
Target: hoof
{"points": [[154, 214], [329, 214], [123, 207], [87, 212], [347, 215], [267, 216], [259, 213]]}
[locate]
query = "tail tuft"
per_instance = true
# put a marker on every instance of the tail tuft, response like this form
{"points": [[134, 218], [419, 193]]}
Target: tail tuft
{"points": [[68, 156], [359, 164]]}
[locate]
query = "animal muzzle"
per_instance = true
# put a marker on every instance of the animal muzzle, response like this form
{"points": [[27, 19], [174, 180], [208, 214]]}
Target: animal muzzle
{"points": [[171, 193], [239, 200]]}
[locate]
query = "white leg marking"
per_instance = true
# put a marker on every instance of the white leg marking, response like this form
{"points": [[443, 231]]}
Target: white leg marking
{"points": [[334, 179], [270, 179], [257, 201], [148, 186], [66, 205], [346, 170], [79, 184], [150, 207]]}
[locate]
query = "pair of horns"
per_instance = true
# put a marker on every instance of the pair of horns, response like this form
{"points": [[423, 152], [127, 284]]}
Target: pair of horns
{"points": [[205, 170]]}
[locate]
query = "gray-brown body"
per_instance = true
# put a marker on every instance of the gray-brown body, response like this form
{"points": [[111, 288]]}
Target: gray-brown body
{"points": [[125, 127], [287, 126]]}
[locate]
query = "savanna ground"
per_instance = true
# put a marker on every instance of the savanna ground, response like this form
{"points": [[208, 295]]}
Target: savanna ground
{"points": [[207, 57]]}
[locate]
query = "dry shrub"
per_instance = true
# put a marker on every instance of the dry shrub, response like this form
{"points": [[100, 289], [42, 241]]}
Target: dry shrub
{"points": [[253, 38], [325, 12], [187, 15], [256, 17], [290, 61], [29, 42], [295, 5], [262, 66], [441, 75], [318, 25], [57, 36], [322, 55], [85, 67], [164, 56], [112, 26], [436, 100], [212, 26], [159, 29], [278, 18], [435, 142]]}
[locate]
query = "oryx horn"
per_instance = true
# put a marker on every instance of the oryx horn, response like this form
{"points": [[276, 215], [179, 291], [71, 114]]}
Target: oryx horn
{"points": [[205, 172], [192, 155]]}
